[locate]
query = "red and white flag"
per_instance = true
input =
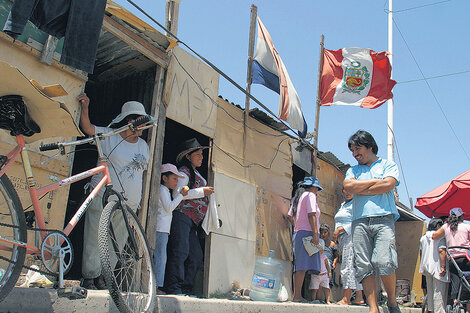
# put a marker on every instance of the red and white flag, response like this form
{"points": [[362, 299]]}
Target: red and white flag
{"points": [[356, 76]]}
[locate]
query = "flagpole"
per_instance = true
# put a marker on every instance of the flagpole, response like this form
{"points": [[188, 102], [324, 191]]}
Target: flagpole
{"points": [[251, 48], [317, 113], [390, 154]]}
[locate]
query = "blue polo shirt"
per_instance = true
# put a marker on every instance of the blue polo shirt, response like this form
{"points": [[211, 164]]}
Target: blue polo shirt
{"points": [[376, 205]]}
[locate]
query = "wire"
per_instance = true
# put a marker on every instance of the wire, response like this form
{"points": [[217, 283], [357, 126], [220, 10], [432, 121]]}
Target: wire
{"points": [[430, 89], [433, 77], [218, 71], [217, 105], [254, 163], [399, 161], [418, 7]]}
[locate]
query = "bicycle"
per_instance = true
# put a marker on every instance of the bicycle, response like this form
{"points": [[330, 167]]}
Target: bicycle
{"points": [[127, 268]]}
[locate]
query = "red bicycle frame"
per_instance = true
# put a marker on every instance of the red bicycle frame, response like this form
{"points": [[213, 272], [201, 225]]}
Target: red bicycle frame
{"points": [[36, 192]]}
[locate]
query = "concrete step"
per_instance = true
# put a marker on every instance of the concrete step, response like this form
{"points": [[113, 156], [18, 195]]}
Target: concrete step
{"points": [[38, 300]]}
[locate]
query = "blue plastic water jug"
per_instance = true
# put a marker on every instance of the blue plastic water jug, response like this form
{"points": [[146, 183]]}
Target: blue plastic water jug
{"points": [[266, 279]]}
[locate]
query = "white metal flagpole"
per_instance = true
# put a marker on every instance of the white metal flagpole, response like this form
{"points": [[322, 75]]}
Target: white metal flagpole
{"points": [[390, 154]]}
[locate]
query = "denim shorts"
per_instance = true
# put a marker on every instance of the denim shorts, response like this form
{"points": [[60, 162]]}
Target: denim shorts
{"points": [[374, 246]]}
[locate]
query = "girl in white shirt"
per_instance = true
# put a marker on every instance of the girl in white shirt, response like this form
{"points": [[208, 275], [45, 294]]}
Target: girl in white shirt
{"points": [[166, 205]]}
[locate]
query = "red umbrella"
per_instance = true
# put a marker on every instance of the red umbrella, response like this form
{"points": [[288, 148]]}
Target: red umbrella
{"points": [[454, 193]]}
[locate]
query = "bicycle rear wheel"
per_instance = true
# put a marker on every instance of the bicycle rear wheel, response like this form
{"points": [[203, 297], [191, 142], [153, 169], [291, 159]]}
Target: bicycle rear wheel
{"points": [[125, 260], [11, 256]]}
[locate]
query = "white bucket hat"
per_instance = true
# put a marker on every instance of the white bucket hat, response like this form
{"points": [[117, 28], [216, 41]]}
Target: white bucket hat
{"points": [[129, 108]]}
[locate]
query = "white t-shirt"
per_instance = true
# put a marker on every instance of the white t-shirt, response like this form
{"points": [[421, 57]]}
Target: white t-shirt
{"points": [[430, 262], [165, 209], [126, 161]]}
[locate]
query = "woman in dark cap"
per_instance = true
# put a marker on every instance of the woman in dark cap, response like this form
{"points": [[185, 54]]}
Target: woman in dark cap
{"points": [[185, 253], [304, 214]]}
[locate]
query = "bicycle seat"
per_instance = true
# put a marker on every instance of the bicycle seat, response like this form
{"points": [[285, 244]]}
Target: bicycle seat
{"points": [[15, 118]]}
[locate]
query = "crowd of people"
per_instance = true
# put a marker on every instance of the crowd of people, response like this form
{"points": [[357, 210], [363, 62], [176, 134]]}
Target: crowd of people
{"points": [[364, 230], [362, 240]]}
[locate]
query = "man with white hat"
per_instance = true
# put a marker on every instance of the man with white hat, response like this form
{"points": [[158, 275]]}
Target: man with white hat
{"points": [[127, 156]]}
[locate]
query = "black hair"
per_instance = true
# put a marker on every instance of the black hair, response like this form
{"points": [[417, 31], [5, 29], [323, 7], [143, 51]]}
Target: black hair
{"points": [[126, 120], [192, 174], [300, 190], [166, 174], [435, 224], [363, 138], [454, 221], [325, 226]]}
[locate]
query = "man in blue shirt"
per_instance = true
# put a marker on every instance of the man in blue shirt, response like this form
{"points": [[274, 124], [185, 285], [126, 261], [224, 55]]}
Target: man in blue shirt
{"points": [[372, 181]]}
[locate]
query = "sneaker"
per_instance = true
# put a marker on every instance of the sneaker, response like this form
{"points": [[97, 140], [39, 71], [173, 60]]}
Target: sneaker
{"points": [[395, 309], [88, 283], [100, 283]]}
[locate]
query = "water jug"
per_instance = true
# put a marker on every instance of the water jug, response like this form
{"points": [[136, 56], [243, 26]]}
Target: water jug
{"points": [[266, 279]]}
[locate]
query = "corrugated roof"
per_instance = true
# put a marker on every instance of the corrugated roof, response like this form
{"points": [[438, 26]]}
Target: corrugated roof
{"points": [[115, 58], [145, 30]]}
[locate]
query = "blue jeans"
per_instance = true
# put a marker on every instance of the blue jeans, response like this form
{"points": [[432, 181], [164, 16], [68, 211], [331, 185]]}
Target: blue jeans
{"points": [[159, 257], [374, 246], [184, 255]]}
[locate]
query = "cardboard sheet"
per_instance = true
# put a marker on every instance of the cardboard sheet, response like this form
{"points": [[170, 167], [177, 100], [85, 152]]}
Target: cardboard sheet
{"points": [[330, 198], [53, 117], [272, 227], [265, 161], [186, 102]]}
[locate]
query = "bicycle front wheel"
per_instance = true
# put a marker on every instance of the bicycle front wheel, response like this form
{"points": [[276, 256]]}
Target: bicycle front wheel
{"points": [[125, 260], [12, 231]]}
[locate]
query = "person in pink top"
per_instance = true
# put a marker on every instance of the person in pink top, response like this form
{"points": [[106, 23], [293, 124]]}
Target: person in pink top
{"points": [[304, 214], [457, 233]]}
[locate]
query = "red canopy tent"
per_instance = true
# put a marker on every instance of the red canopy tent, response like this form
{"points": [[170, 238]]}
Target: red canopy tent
{"points": [[454, 193]]}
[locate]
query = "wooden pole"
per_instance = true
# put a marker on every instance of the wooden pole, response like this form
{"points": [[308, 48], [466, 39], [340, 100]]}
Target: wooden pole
{"points": [[251, 48], [171, 16], [159, 109], [317, 112]]}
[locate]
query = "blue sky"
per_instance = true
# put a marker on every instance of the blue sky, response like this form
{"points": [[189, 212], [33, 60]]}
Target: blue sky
{"points": [[435, 31]]}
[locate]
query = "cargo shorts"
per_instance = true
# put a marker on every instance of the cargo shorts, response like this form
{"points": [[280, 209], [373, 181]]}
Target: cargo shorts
{"points": [[374, 246]]}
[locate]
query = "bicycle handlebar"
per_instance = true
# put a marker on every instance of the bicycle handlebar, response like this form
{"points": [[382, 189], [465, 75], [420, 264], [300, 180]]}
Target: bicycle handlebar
{"points": [[49, 146], [141, 120], [133, 125]]}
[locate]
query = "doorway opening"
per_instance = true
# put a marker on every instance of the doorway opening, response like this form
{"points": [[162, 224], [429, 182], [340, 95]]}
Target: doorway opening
{"points": [[106, 99], [175, 133]]}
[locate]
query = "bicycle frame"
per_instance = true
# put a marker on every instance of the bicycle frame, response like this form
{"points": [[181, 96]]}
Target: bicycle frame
{"points": [[35, 192]]}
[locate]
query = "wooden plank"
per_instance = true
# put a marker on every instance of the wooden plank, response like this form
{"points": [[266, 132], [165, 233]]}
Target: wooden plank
{"points": [[48, 50], [154, 191], [132, 39], [148, 174]]}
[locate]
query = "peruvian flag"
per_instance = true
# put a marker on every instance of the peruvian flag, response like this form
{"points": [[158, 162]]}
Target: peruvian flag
{"points": [[356, 76]]}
